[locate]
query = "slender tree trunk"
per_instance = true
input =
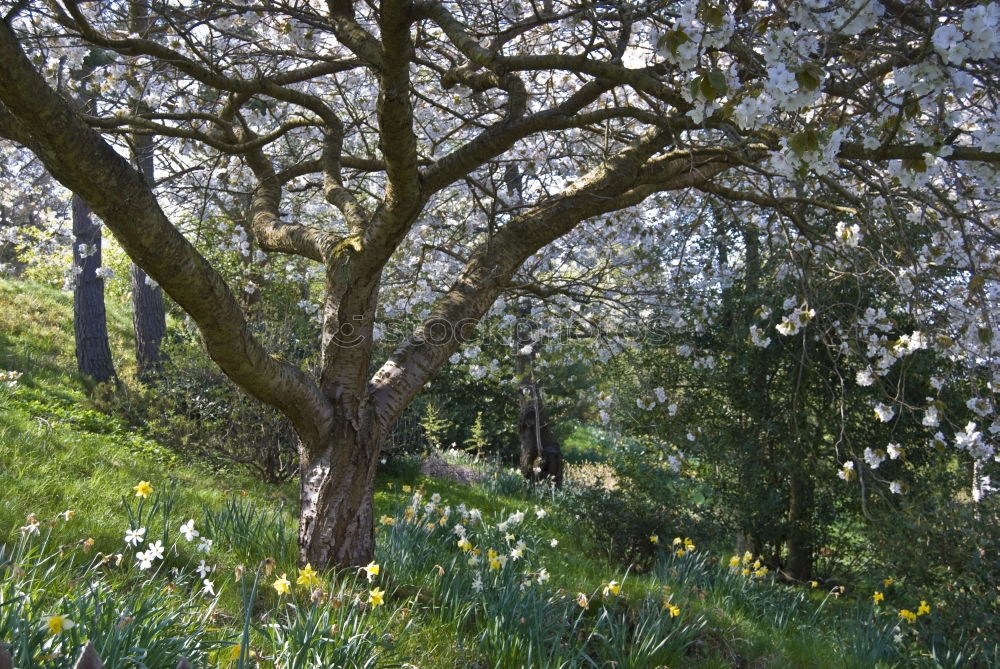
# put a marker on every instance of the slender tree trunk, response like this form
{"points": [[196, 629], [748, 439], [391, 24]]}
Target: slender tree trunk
{"points": [[541, 455], [336, 499], [800, 508], [90, 327], [148, 316]]}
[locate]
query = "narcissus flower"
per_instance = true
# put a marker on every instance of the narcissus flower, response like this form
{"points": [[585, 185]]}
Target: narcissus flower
{"points": [[58, 624], [674, 610], [307, 576], [134, 537], [734, 562], [387, 520], [653, 539], [187, 529], [923, 608], [282, 585], [878, 597], [376, 597], [908, 616], [371, 570], [143, 489], [612, 588]]}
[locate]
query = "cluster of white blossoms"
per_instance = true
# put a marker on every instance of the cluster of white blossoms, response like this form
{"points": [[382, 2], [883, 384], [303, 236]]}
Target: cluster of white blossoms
{"points": [[757, 337], [71, 276], [848, 235], [847, 17], [238, 241], [9, 378], [793, 322], [975, 39], [972, 440]]}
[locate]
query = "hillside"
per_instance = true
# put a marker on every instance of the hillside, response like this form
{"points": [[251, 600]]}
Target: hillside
{"points": [[517, 585]]}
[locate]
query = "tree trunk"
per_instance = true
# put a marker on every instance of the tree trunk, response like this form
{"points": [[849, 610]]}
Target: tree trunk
{"points": [[336, 499], [90, 327], [148, 317], [800, 549], [541, 455]]}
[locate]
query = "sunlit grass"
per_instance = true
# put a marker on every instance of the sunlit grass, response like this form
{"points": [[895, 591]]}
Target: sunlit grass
{"points": [[437, 609]]}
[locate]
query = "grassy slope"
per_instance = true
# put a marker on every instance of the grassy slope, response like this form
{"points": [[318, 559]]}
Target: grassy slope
{"points": [[56, 453]]}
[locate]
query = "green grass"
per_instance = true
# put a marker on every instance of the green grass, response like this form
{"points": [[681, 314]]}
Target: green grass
{"points": [[58, 453]]}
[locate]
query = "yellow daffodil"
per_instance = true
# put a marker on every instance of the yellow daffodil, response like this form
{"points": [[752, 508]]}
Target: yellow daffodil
{"points": [[734, 562], [613, 588], [582, 601], [143, 489], [282, 586], [674, 610], [387, 520], [58, 624], [407, 488], [465, 544], [887, 582], [688, 545], [907, 615], [923, 608], [376, 597], [679, 552], [307, 576], [494, 563], [653, 539], [878, 597], [371, 570], [678, 541], [813, 584]]}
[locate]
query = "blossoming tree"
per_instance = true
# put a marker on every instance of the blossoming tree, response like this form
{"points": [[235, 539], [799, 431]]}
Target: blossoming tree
{"points": [[370, 137]]}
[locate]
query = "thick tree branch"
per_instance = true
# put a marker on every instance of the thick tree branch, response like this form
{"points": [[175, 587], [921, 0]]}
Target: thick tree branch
{"points": [[610, 187], [77, 156]]}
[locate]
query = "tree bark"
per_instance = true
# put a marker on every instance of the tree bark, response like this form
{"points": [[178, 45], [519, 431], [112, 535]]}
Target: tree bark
{"points": [[800, 548], [336, 498], [90, 327], [148, 316], [541, 455]]}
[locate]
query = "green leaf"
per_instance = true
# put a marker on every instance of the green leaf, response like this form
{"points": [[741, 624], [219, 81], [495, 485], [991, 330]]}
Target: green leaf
{"points": [[718, 81], [809, 77], [712, 15], [673, 39], [804, 142], [976, 283]]}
